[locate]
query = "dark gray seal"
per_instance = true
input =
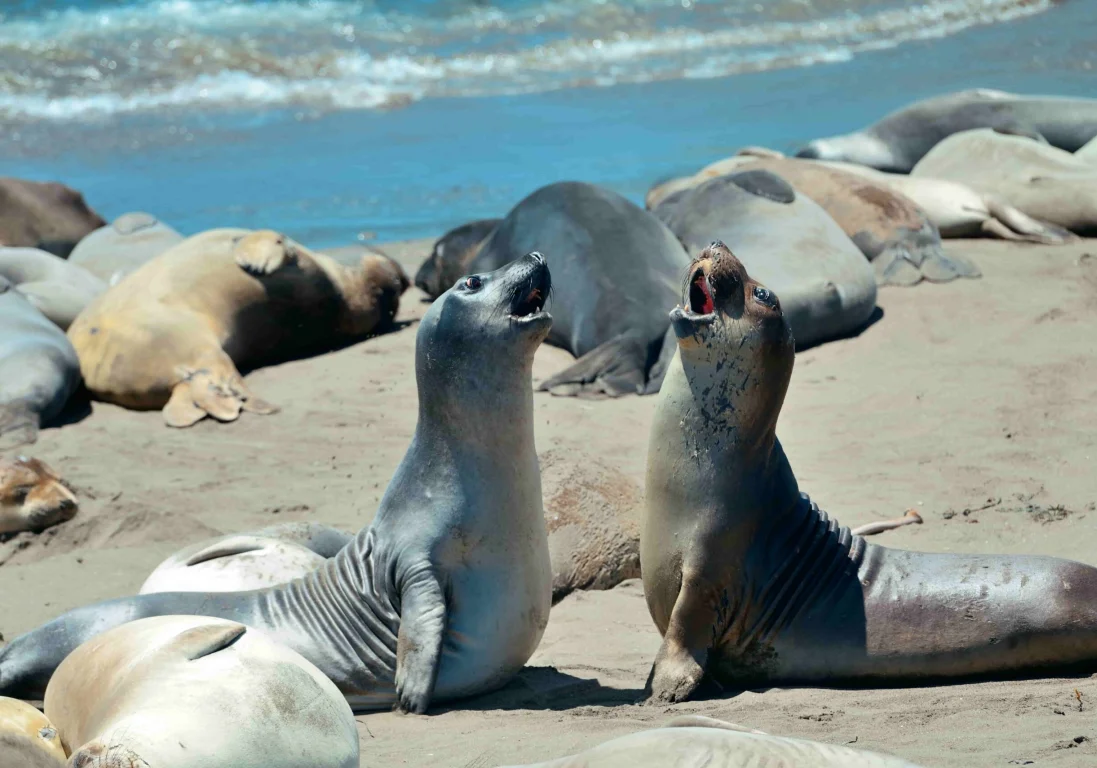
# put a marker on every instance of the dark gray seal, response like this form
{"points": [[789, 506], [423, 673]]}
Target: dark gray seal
{"points": [[614, 267], [39, 369], [452, 256], [447, 593], [752, 584], [902, 138]]}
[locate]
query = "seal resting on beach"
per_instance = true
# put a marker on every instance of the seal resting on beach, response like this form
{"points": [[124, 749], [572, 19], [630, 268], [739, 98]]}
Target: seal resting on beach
{"points": [[447, 593], [196, 692], [27, 737], [44, 215], [1088, 152], [39, 370], [695, 740], [112, 252], [902, 138], [751, 584], [243, 561], [892, 232], [614, 265], [173, 334], [59, 289], [1046, 183], [452, 256], [828, 287], [32, 496]]}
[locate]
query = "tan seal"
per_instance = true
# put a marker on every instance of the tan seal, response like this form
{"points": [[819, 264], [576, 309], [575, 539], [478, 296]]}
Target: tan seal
{"points": [[32, 496], [27, 737], [174, 333]]}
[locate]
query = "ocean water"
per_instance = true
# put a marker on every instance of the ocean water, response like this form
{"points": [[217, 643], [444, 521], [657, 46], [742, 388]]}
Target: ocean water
{"points": [[337, 120]]}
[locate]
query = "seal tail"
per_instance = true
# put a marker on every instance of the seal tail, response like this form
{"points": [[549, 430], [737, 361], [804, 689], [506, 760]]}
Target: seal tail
{"points": [[18, 426], [618, 367]]}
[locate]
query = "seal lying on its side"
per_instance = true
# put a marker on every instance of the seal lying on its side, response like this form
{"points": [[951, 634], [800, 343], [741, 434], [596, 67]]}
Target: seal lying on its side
{"points": [[60, 290], [1044, 182], [691, 741], [243, 561], [27, 737], [452, 255], [194, 692], [902, 138], [787, 240], [752, 584], [172, 334], [112, 252], [447, 593], [39, 369], [47, 215], [614, 265], [32, 496]]}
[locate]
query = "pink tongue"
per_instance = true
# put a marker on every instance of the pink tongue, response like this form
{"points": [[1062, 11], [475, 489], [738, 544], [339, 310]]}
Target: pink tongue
{"points": [[708, 307]]}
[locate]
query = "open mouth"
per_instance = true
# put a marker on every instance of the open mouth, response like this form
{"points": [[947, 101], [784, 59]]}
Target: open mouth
{"points": [[701, 301], [530, 297], [531, 305]]}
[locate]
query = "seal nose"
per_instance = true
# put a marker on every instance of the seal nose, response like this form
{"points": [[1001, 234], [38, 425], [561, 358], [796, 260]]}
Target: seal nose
{"points": [[538, 257], [810, 152]]}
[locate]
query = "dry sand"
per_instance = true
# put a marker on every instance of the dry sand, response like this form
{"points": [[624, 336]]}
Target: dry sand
{"points": [[978, 393]]}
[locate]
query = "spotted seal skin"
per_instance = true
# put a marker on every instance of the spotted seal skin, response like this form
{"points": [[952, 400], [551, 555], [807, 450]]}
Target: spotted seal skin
{"points": [[39, 369], [614, 266], [691, 741], [899, 140], [750, 583], [447, 593]]}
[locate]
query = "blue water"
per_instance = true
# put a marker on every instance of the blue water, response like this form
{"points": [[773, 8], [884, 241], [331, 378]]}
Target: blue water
{"points": [[335, 120]]}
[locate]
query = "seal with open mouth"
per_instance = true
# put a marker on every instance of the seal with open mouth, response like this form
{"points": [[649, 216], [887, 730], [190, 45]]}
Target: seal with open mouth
{"points": [[447, 593], [750, 583]]}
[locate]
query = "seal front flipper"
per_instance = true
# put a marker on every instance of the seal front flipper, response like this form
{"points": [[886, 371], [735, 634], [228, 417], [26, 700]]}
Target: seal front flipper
{"points": [[679, 666], [1011, 224], [263, 252], [419, 644], [618, 367]]}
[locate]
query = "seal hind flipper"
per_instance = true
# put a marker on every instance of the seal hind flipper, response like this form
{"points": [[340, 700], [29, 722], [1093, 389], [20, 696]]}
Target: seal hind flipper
{"points": [[1011, 224], [218, 392], [18, 426], [618, 367]]}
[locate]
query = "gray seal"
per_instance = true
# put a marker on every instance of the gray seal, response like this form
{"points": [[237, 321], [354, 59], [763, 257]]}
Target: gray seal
{"points": [[902, 138], [59, 289], [452, 255], [751, 584], [695, 740], [447, 593], [112, 252], [791, 244], [39, 369], [615, 266]]}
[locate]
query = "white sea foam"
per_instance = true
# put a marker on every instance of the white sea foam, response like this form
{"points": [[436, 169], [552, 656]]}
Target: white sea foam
{"points": [[331, 54]]}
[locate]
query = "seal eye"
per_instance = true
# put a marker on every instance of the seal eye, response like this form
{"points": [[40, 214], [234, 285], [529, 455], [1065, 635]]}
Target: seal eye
{"points": [[473, 283], [765, 296]]}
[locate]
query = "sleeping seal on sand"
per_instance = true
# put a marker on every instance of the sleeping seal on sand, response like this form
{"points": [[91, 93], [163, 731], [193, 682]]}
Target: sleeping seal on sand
{"points": [[59, 289], [194, 692], [39, 370], [613, 265], [173, 334], [695, 740], [902, 138], [32, 496], [112, 252], [447, 593], [827, 286], [750, 583], [47, 215], [1046, 183]]}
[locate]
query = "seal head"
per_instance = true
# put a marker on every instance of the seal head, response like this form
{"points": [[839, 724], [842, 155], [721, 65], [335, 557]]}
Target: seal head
{"points": [[32, 496]]}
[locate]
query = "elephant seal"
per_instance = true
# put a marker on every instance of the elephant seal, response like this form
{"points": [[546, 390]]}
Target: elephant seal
{"points": [[244, 561], [60, 290], [47, 215], [1088, 152], [32, 496], [447, 593], [827, 286], [39, 369], [27, 737], [112, 252], [452, 255], [196, 692], [1046, 183], [902, 138], [750, 583], [690, 741], [172, 334], [892, 232]]}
